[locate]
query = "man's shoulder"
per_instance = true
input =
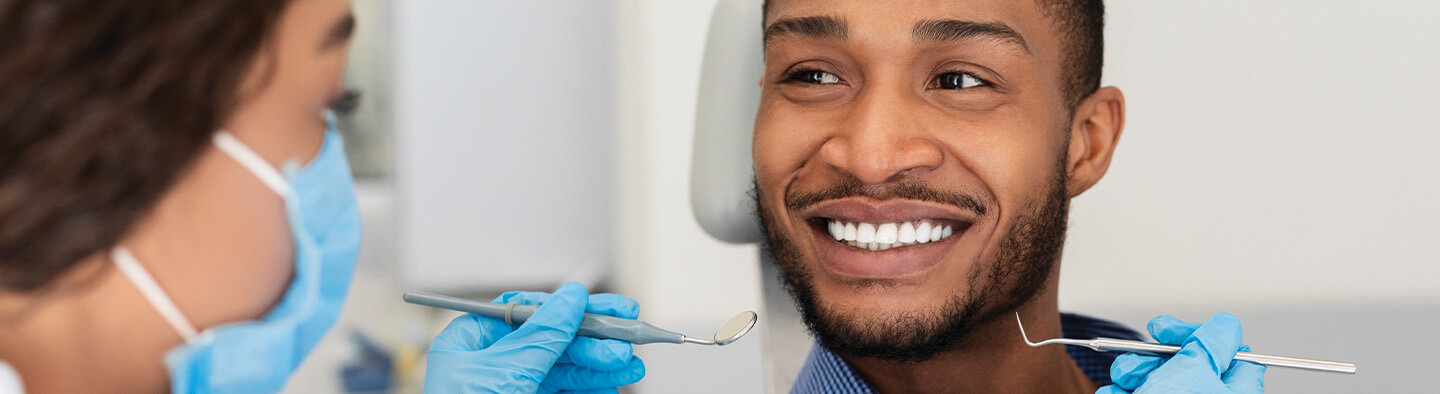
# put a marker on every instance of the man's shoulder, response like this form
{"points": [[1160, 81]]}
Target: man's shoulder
{"points": [[826, 372], [1095, 365], [1075, 325]]}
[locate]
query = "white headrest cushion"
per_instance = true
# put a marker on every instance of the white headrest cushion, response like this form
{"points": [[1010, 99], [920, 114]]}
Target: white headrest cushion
{"points": [[721, 174]]}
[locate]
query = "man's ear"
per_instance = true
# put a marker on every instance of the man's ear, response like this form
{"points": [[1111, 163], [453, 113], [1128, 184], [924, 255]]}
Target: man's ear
{"points": [[1094, 132]]}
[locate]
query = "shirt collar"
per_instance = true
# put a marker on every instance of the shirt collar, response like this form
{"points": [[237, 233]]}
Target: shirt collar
{"points": [[825, 372]]}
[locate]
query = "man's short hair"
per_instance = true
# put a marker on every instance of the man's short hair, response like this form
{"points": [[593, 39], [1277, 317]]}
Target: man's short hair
{"points": [[1081, 23]]}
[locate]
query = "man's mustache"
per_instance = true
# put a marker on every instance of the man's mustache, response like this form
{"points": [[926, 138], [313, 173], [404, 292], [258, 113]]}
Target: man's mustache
{"points": [[905, 189]]}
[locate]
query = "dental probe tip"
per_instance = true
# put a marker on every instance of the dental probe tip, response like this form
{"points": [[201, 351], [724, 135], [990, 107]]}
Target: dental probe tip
{"points": [[1022, 331], [1063, 341]]}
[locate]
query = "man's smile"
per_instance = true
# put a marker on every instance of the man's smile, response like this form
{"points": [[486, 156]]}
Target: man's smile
{"points": [[864, 238], [882, 237]]}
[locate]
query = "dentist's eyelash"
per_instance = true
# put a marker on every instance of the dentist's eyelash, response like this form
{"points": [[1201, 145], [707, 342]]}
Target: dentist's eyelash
{"points": [[346, 102]]}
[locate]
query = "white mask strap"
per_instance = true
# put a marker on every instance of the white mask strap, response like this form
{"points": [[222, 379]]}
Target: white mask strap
{"points": [[253, 162], [132, 269]]}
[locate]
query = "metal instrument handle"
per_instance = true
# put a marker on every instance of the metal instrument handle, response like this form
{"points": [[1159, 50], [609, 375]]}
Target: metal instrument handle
{"points": [[1155, 349], [593, 325]]}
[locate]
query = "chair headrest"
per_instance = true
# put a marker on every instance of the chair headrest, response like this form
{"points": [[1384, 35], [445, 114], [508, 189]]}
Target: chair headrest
{"points": [[721, 172]]}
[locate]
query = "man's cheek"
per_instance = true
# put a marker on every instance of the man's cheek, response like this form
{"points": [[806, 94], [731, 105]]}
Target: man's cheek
{"points": [[769, 171]]}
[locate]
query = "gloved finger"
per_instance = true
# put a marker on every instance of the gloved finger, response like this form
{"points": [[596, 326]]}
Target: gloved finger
{"points": [[614, 305], [604, 304], [1111, 389], [1244, 376], [598, 354], [522, 297], [599, 391], [1171, 331], [543, 337], [1130, 370], [573, 377], [588, 352], [1210, 348], [469, 332]]}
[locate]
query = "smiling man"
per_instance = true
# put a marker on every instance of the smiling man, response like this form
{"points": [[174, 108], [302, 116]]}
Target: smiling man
{"points": [[914, 162]]}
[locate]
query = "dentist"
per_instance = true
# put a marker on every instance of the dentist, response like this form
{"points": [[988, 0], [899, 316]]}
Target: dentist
{"points": [[176, 213]]}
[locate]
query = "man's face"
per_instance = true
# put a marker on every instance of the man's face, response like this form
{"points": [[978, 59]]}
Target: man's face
{"points": [[898, 118]]}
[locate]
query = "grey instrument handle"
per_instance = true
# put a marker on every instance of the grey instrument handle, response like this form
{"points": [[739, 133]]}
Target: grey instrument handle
{"points": [[593, 325], [1108, 345]]}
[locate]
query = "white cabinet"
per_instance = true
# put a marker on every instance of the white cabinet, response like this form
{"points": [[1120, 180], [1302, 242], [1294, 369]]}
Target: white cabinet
{"points": [[504, 140]]}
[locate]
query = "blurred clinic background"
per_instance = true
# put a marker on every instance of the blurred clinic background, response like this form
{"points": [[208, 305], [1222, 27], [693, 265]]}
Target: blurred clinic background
{"points": [[1279, 163]]}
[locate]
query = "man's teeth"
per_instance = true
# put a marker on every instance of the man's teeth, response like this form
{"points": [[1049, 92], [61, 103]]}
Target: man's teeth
{"points": [[865, 232], [884, 236]]}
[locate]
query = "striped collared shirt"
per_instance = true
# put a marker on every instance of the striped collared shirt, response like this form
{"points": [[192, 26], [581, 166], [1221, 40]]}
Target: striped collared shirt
{"points": [[826, 373]]}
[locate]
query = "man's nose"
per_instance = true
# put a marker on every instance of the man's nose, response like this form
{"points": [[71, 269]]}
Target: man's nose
{"points": [[881, 139]]}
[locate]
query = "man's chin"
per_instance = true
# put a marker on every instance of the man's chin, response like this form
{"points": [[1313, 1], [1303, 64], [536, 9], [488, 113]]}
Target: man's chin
{"points": [[1023, 261], [887, 334], [909, 319]]}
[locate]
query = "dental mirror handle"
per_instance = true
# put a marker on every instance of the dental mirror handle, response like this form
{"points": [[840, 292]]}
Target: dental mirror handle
{"points": [[1112, 345], [593, 325]]}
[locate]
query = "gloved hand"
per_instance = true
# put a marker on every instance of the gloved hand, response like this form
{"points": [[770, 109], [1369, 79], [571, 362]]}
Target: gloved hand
{"points": [[1204, 364], [481, 354]]}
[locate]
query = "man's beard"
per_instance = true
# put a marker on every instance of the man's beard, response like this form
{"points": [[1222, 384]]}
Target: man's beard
{"points": [[997, 287]]}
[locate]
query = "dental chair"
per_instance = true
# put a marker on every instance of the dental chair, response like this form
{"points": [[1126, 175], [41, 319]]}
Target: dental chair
{"points": [[721, 173]]}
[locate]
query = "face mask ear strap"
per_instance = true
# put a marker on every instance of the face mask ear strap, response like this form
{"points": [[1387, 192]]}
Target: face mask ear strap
{"points": [[253, 162], [132, 269]]}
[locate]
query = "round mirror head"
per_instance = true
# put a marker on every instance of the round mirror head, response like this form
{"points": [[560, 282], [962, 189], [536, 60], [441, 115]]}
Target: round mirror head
{"points": [[737, 327]]}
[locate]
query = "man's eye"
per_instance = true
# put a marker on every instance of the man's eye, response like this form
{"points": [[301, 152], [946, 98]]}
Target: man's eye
{"points": [[814, 77], [958, 80]]}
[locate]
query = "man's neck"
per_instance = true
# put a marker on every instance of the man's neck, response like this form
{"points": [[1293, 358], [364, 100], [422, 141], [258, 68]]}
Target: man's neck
{"points": [[992, 359]]}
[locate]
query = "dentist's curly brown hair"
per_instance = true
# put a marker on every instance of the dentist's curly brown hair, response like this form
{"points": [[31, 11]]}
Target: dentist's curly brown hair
{"points": [[103, 105]]}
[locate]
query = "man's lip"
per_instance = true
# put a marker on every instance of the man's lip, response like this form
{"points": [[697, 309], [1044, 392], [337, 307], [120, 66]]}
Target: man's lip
{"points": [[861, 209]]}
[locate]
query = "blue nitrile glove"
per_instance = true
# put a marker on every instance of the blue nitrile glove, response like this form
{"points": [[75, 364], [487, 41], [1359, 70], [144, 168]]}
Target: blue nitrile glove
{"points": [[1205, 363], [481, 354]]}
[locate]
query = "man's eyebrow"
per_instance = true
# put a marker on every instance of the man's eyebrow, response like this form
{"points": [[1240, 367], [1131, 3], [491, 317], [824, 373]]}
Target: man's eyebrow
{"points": [[946, 30], [817, 27], [340, 32]]}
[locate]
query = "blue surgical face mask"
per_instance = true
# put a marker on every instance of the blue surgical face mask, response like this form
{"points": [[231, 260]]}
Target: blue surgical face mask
{"points": [[259, 356]]}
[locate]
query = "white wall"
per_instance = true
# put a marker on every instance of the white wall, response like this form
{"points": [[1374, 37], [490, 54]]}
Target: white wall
{"points": [[1277, 153], [1278, 163], [505, 134]]}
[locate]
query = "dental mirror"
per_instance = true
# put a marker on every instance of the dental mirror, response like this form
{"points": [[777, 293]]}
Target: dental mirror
{"points": [[737, 327]]}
